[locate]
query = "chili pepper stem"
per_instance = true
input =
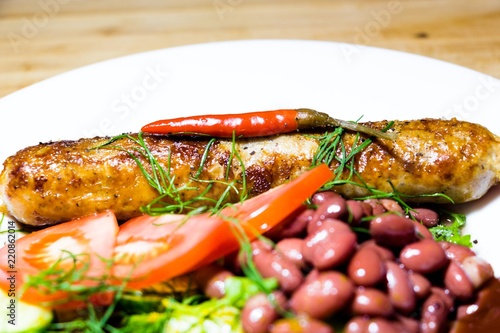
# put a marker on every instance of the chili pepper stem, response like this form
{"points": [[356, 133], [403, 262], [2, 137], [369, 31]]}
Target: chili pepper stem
{"points": [[309, 118], [364, 129]]}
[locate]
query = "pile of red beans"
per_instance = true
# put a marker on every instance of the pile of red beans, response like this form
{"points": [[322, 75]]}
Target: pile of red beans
{"points": [[357, 266]]}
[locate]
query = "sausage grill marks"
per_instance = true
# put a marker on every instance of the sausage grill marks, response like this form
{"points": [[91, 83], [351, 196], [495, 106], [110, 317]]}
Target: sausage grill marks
{"points": [[361, 260]]}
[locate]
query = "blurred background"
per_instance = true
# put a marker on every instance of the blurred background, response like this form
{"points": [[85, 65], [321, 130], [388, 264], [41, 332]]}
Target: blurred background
{"points": [[42, 38]]}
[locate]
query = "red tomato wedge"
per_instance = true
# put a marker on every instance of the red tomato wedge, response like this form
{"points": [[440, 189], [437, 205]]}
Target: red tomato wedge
{"points": [[90, 240], [153, 249]]}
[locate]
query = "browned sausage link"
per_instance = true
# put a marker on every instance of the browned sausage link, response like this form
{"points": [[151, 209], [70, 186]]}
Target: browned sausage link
{"points": [[58, 181]]}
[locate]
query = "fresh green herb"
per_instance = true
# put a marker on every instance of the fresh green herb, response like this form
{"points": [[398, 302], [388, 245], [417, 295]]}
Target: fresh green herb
{"points": [[197, 314], [59, 278], [451, 230], [204, 158], [160, 177]]}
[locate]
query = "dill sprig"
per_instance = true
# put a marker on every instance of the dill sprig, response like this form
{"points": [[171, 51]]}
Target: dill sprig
{"points": [[171, 198], [64, 277], [332, 149], [451, 230]]}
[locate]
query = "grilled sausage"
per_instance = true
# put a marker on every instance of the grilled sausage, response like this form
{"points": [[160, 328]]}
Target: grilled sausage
{"points": [[57, 181]]}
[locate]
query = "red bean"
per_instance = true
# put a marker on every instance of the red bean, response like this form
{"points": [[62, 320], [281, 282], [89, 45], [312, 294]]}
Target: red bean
{"points": [[367, 208], [427, 217], [478, 270], [458, 282], [355, 211], [320, 197], [425, 256], [334, 207], [273, 264], [391, 206], [371, 302], [407, 324], [259, 313], [434, 314], [421, 285], [330, 245], [383, 252], [296, 227], [422, 231], [392, 231], [456, 251], [400, 289], [315, 225], [357, 325], [261, 246], [300, 324], [322, 294], [445, 295], [291, 248], [372, 325], [211, 279], [465, 310], [376, 207], [366, 267]]}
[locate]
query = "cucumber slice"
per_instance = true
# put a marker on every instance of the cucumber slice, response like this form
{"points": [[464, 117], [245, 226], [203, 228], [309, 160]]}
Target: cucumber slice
{"points": [[21, 316]]}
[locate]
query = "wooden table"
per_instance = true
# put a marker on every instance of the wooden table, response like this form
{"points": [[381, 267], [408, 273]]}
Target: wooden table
{"points": [[42, 38]]}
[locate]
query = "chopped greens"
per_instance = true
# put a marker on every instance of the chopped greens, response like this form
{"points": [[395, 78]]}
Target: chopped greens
{"points": [[194, 315], [451, 231]]}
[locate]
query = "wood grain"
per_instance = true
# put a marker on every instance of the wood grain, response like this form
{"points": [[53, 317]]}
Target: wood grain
{"points": [[42, 38]]}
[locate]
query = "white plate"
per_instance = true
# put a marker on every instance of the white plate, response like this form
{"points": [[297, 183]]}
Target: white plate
{"points": [[348, 81]]}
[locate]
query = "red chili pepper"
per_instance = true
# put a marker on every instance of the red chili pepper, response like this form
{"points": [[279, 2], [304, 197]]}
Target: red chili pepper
{"points": [[255, 124]]}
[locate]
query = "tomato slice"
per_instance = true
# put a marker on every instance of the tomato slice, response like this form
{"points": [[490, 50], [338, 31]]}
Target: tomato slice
{"points": [[154, 249], [85, 244]]}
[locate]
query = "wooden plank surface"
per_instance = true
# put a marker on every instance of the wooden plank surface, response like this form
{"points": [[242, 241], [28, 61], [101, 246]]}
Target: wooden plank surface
{"points": [[42, 38]]}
